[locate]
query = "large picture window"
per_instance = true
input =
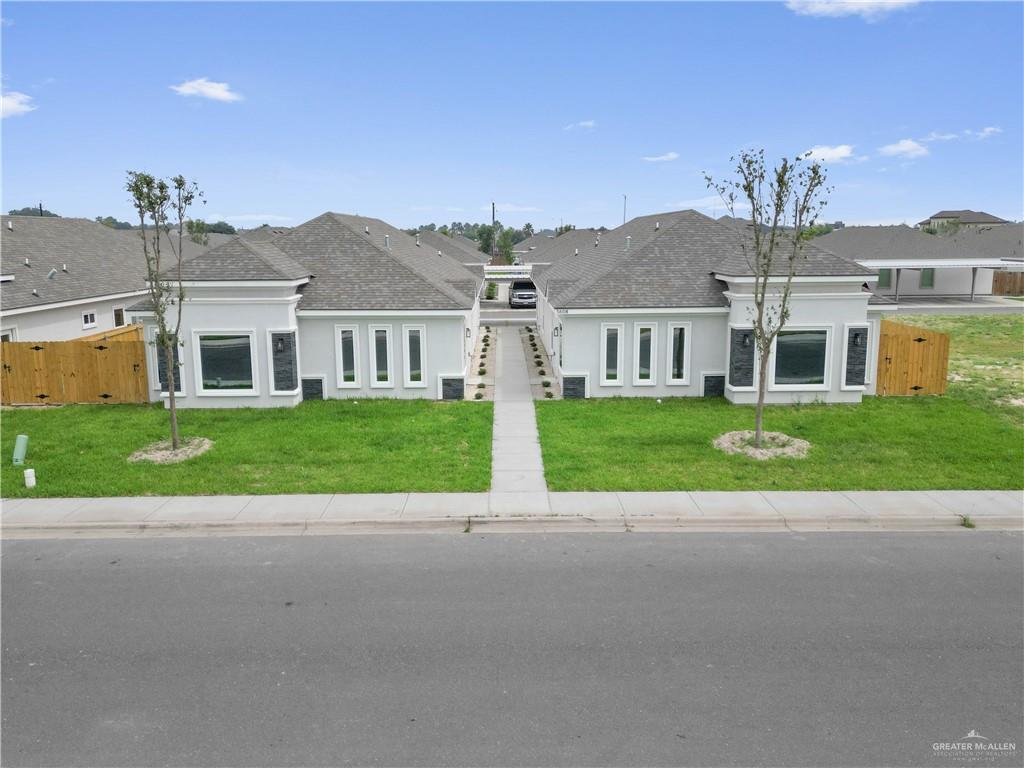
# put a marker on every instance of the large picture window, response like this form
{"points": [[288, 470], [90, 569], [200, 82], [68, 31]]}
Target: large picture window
{"points": [[611, 354], [800, 358], [226, 363], [678, 353], [380, 356], [415, 355], [347, 355], [643, 354]]}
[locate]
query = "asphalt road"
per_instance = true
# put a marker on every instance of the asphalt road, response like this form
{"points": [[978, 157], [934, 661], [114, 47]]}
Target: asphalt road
{"points": [[593, 649]]}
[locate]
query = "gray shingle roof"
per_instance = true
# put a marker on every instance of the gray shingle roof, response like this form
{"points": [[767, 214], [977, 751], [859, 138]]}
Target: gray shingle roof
{"points": [[1005, 241], [100, 261], [670, 261], [462, 249], [355, 262], [532, 245], [892, 242]]}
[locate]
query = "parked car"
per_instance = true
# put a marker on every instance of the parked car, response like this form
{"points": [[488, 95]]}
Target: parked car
{"points": [[523, 293]]}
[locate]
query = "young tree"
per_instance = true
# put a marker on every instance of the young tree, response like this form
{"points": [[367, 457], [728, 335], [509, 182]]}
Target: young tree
{"points": [[784, 203], [506, 241], [198, 231], [154, 200]]}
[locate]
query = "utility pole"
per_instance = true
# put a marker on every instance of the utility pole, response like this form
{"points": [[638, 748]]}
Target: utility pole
{"points": [[494, 233]]}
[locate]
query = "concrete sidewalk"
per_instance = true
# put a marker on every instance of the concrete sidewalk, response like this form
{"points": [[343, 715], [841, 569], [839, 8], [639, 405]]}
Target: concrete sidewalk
{"points": [[461, 512]]}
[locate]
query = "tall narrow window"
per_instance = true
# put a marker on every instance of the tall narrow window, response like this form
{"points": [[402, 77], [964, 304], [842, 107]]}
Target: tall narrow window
{"points": [[347, 355], [380, 342], [678, 354], [643, 354], [927, 278], [284, 362], [611, 354], [119, 317], [885, 278], [414, 356]]}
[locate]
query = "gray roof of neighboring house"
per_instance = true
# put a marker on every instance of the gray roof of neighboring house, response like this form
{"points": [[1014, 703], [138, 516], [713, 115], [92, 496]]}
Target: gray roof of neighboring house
{"points": [[891, 242], [967, 217], [469, 243], [532, 244], [455, 247], [265, 232], [353, 262], [671, 261], [100, 260], [1005, 241]]}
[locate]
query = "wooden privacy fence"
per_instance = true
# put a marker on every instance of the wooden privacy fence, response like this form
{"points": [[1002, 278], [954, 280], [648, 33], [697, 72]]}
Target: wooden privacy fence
{"points": [[78, 371], [1007, 283], [125, 333], [911, 360]]}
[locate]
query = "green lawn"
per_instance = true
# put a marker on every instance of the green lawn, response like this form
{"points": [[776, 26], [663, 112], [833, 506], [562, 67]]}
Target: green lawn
{"points": [[986, 359], [883, 443], [337, 446]]}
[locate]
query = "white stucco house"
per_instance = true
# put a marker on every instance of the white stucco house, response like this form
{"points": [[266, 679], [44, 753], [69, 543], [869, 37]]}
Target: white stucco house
{"points": [[339, 307], [910, 262], [662, 307], [62, 278]]}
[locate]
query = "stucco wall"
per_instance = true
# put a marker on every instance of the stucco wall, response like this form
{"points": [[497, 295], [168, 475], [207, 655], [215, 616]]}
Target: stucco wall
{"points": [[63, 323], [948, 282]]}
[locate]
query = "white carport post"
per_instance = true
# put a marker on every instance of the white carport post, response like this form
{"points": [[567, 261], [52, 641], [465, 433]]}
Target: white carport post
{"points": [[974, 277], [898, 271]]}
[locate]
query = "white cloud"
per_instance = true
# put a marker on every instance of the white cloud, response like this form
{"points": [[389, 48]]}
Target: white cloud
{"points": [[984, 133], [904, 148], [707, 203], [14, 104], [939, 136], [827, 154], [870, 10], [666, 158], [207, 90], [583, 125]]}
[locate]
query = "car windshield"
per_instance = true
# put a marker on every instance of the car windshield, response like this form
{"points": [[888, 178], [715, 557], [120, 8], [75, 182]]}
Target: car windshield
{"points": [[521, 285]]}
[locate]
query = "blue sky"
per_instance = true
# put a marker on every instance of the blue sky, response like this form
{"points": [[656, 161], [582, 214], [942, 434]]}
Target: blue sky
{"points": [[425, 112]]}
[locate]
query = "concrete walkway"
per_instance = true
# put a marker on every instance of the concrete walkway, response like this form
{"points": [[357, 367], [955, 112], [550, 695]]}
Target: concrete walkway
{"points": [[780, 511], [517, 469]]}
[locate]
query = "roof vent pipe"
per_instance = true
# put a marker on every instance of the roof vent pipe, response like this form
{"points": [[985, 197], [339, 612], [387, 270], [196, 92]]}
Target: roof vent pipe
{"points": [[629, 238], [10, 226], [63, 267], [417, 239], [366, 230], [51, 274], [576, 252], [387, 242], [35, 292], [657, 226], [26, 262]]}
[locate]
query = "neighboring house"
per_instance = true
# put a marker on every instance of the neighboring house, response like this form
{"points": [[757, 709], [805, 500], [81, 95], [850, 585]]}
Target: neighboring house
{"points": [[547, 254], [662, 307], [462, 249], [339, 307], [963, 218], [525, 249], [910, 262], [64, 277]]}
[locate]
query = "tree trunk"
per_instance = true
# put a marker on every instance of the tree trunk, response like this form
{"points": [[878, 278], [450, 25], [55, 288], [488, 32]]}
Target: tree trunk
{"points": [[762, 385], [171, 402]]}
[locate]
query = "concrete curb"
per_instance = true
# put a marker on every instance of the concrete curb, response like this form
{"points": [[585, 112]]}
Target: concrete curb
{"points": [[485, 524]]}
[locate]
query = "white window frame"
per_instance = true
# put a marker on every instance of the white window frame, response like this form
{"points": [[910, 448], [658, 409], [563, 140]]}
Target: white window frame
{"points": [[829, 329], [866, 327], [621, 328], [152, 352], [86, 313], [339, 366], [687, 338], [406, 369], [124, 315], [270, 362], [372, 335], [11, 329], [197, 362], [653, 380]]}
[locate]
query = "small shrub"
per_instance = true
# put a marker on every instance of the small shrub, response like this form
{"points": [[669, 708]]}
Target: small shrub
{"points": [[542, 372], [549, 394], [536, 357], [478, 396], [532, 338], [482, 372], [544, 383], [481, 385]]}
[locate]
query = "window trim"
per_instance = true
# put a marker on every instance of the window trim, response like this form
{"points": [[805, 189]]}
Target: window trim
{"points": [[86, 326], [390, 383], [11, 329], [705, 374], [152, 352], [670, 336], [124, 315], [603, 343], [339, 370], [270, 362], [867, 357], [323, 384], [197, 362], [829, 329], [920, 279], [407, 382], [653, 380]]}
